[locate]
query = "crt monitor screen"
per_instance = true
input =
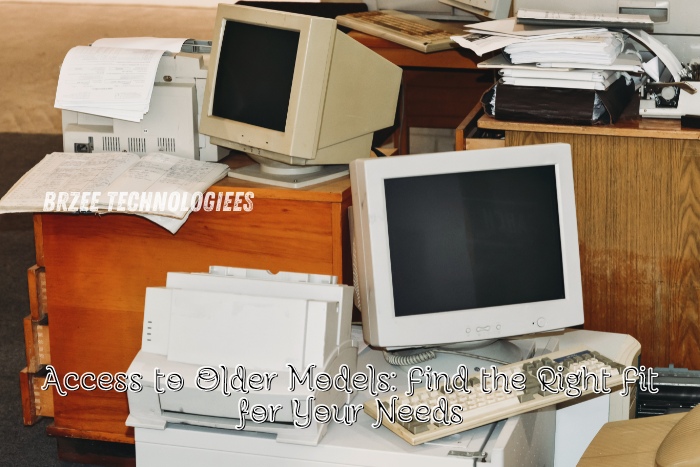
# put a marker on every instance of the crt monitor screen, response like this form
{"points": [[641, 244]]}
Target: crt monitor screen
{"points": [[254, 79], [474, 240]]}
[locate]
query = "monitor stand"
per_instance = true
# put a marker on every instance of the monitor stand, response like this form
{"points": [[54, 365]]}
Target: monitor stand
{"points": [[270, 172]]}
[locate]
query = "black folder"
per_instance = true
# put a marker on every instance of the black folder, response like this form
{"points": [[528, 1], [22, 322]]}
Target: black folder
{"points": [[557, 105]]}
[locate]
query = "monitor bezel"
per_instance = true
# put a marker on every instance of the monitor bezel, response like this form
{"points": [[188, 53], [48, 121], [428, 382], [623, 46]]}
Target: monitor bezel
{"points": [[381, 327], [301, 134]]}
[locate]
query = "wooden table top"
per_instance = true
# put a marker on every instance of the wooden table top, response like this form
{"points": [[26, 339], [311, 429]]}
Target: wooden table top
{"points": [[630, 124], [456, 58]]}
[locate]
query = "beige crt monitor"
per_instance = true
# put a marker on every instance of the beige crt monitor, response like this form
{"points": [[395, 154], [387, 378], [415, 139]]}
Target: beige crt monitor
{"points": [[294, 93]]}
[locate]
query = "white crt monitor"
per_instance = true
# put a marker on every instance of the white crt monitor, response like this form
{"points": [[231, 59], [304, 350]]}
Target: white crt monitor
{"points": [[466, 246], [290, 89]]}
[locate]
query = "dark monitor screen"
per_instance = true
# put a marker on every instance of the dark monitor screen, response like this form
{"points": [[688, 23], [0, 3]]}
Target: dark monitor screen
{"points": [[474, 239], [254, 75]]}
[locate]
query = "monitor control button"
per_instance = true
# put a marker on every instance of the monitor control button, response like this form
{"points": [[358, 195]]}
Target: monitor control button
{"points": [[541, 322], [483, 328], [469, 330]]}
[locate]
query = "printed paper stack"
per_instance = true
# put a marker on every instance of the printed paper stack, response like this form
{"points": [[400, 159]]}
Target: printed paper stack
{"points": [[577, 75]]}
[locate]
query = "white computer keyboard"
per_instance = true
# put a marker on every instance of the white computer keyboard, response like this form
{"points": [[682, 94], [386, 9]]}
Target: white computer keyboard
{"points": [[449, 409]]}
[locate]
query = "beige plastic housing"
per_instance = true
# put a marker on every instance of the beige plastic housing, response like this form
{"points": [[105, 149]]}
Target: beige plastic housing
{"points": [[342, 92]]}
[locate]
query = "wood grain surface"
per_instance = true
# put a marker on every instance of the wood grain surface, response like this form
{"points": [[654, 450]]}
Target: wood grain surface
{"points": [[638, 209]]}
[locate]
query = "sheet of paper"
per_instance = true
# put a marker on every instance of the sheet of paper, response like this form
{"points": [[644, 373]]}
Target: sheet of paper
{"points": [[481, 44], [164, 173], [172, 45], [654, 68], [510, 27], [170, 224], [114, 82], [501, 61], [115, 178], [664, 53], [623, 62], [556, 73], [66, 172], [561, 83]]}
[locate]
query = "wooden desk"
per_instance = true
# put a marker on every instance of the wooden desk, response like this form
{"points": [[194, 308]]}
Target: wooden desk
{"points": [[98, 268], [438, 88], [638, 207]]}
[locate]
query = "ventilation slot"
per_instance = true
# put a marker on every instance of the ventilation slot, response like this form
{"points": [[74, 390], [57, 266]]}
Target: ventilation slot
{"points": [[166, 145], [110, 144], [137, 144]]}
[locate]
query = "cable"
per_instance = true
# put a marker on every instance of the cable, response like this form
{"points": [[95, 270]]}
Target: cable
{"points": [[408, 357]]}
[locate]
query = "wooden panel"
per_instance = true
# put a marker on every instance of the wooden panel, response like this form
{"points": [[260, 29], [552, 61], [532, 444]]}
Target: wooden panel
{"points": [[482, 143], [627, 127], [439, 98], [98, 268], [36, 284], [638, 208], [404, 57], [35, 402], [38, 240], [445, 95]]}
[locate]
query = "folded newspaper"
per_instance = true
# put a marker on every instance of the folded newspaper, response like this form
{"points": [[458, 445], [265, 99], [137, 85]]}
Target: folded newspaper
{"points": [[161, 187]]}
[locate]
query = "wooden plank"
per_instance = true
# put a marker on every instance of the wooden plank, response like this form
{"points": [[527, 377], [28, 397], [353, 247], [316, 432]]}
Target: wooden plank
{"points": [[471, 144], [467, 126], [639, 128], [29, 415], [38, 240], [36, 281], [35, 402]]}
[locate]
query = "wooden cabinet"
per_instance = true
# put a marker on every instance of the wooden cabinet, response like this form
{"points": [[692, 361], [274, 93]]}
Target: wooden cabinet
{"points": [[98, 267], [638, 205]]}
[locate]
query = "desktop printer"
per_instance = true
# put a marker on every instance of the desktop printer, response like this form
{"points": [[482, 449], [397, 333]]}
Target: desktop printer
{"points": [[244, 349], [172, 122]]}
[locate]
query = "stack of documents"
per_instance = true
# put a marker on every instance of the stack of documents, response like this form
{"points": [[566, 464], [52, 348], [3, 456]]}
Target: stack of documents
{"points": [[576, 79], [553, 73], [600, 48], [494, 35], [113, 78], [563, 74]]}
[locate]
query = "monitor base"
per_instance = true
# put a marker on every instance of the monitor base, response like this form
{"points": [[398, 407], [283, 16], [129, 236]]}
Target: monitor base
{"points": [[473, 355], [289, 176]]}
